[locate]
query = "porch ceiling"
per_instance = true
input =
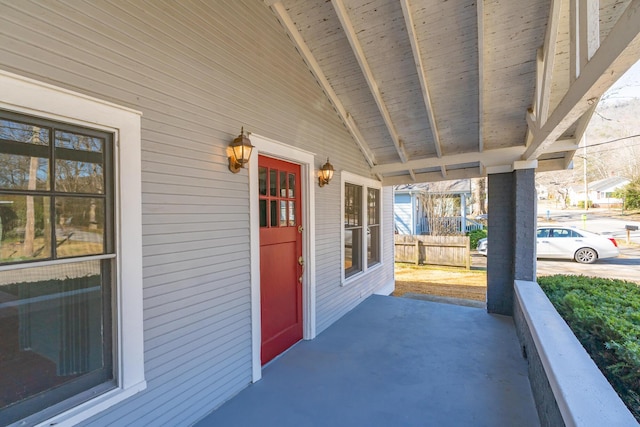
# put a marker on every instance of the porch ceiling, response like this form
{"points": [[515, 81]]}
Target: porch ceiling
{"points": [[437, 89]]}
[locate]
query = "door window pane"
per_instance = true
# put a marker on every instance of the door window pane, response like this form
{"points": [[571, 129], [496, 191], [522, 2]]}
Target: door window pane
{"points": [[283, 213], [292, 185], [263, 213], [273, 183], [262, 180], [274, 213], [25, 228], [292, 213], [283, 184]]}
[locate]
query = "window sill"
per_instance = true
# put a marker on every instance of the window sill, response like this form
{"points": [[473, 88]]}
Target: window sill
{"points": [[93, 407], [351, 279]]}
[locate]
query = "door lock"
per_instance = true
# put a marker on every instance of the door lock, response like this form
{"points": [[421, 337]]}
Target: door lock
{"points": [[300, 229], [301, 261]]}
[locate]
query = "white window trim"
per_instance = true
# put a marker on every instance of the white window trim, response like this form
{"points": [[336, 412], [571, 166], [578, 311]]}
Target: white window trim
{"points": [[27, 96], [365, 183], [306, 160]]}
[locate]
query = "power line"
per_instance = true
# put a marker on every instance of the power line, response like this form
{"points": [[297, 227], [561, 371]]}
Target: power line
{"points": [[613, 140]]}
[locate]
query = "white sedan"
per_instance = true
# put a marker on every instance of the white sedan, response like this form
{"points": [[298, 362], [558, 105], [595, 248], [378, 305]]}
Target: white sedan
{"points": [[567, 243]]}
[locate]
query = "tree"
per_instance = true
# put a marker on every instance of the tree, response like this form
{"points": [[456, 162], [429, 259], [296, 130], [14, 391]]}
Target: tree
{"points": [[630, 194]]}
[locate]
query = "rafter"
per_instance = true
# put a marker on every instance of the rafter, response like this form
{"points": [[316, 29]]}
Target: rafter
{"points": [[617, 53], [548, 60], [296, 37], [347, 27]]}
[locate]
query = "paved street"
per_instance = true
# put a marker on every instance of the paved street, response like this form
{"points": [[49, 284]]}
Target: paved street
{"points": [[626, 266]]}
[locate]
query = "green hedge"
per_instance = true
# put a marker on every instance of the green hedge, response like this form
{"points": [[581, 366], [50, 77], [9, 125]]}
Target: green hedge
{"points": [[604, 314], [476, 235]]}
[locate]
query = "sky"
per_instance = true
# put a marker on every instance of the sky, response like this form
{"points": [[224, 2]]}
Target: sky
{"points": [[628, 86]]}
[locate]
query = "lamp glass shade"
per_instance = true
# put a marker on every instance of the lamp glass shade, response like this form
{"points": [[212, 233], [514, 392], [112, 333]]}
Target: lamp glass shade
{"points": [[241, 148], [326, 173]]}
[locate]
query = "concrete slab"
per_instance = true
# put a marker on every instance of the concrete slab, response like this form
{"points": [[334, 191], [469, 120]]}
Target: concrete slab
{"points": [[394, 362]]}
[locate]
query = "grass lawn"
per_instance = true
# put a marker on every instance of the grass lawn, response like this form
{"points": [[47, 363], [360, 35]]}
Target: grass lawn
{"points": [[442, 281]]}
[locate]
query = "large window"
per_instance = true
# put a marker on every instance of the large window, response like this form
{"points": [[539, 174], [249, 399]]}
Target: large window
{"points": [[71, 335], [362, 224], [56, 204]]}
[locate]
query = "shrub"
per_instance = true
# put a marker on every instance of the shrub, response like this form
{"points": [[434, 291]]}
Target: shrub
{"points": [[604, 314], [476, 235]]}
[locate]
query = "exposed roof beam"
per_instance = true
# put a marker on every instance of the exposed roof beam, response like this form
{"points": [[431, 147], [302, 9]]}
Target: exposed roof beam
{"points": [[488, 158], [347, 26], [432, 177], [562, 145], [304, 50], [481, 86], [548, 59], [417, 59], [617, 53]]}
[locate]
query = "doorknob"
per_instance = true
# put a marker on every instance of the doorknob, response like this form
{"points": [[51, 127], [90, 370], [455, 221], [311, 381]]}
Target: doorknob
{"points": [[301, 261]]}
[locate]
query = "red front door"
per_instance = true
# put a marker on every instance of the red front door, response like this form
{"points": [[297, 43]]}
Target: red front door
{"points": [[281, 261]]}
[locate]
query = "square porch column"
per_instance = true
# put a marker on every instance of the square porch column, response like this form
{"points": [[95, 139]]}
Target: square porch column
{"points": [[512, 236]]}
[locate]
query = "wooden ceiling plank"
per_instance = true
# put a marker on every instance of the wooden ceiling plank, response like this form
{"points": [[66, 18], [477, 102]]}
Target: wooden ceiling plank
{"points": [[347, 27], [584, 34], [422, 75], [617, 53], [481, 85], [278, 8]]}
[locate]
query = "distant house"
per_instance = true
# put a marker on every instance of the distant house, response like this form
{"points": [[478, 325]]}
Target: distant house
{"points": [[410, 214], [600, 192]]}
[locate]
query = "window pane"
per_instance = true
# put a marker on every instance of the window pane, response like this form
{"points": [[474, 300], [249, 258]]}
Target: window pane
{"points": [[53, 333], [373, 206], [262, 180], [263, 213], [292, 185], [23, 172], [22, 132], [352, 251], [74, 141], [352, 205], [25, 229], [292, 213], [79, 226], [283, 184], [273, 183], [79, 177], [373, 245]]}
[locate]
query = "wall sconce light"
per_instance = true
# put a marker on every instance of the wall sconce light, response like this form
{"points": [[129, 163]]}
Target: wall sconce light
{"points": [[240, 152], [326, 173]]}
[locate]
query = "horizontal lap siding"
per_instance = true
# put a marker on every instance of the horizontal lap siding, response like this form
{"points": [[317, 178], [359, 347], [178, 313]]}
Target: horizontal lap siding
{"points": [[198, 71]]}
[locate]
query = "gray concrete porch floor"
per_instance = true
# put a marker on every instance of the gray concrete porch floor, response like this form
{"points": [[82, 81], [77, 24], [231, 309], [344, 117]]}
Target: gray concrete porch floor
{"points": [[394, 362]]}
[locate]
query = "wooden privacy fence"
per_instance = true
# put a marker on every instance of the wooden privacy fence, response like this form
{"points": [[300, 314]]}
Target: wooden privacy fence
{"points": [[433, 250]]}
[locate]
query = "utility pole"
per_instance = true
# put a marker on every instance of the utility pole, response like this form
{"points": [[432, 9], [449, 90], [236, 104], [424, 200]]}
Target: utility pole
{"points": [[584, 162]]}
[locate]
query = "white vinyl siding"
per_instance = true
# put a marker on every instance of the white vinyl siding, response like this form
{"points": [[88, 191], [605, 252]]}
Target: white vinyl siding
{"points": [[198, 71]]}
